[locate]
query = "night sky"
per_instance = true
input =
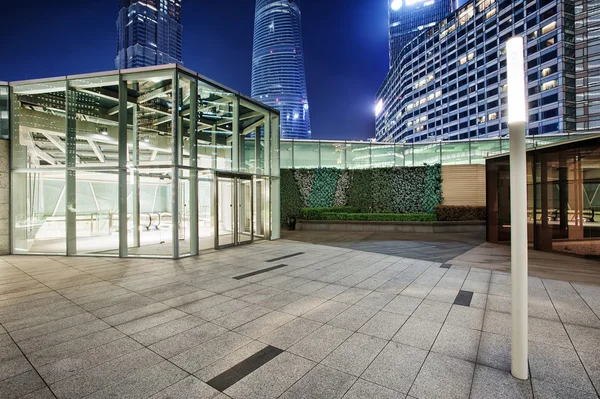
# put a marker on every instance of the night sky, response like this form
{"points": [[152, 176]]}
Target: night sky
{"points": [[345, 46]]}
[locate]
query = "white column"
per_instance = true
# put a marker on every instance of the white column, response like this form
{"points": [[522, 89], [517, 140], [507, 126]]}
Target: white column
{"points": [[517, 114]]}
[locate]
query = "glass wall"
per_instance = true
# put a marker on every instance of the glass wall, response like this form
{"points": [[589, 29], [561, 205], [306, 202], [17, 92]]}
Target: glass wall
{"points": [[563, 198], [297, 154], [151, 162], [4, 104]]}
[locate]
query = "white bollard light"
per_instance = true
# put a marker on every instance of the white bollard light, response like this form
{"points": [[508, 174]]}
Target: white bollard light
{"points": [[517, 118]]}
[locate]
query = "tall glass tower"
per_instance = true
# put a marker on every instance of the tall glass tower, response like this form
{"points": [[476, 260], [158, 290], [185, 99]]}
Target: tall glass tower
{"points": [[149, 33], [278, 75], [408, 18]]}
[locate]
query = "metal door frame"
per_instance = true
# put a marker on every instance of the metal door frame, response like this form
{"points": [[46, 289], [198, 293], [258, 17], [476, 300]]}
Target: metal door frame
{"points": [[236, 179]]}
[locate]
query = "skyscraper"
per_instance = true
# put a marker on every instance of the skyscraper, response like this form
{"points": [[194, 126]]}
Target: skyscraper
{"points": [[278, 75], [149, 33], [408, 18]]}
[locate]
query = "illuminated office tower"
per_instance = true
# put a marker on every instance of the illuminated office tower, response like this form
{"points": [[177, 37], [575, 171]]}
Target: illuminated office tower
{"points": [[149, 33], [278, 75], [408, 18]]}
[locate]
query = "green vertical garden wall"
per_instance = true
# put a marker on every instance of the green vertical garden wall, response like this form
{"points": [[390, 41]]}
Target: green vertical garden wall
{"points": [[385, 190]]}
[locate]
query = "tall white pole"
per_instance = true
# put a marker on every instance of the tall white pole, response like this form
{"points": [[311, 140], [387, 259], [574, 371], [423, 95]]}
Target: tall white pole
{"points": [[517, 114]]}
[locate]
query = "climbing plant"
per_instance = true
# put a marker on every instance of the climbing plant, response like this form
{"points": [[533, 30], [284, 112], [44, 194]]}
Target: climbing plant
{"points": [[291, 203], [325, 182]]}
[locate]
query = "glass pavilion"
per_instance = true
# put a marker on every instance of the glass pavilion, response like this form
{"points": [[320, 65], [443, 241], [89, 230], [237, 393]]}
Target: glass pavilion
{"points": [[156, 161]]}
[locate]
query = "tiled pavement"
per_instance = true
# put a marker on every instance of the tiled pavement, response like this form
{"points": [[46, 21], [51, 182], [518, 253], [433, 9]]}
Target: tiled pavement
{"points": [[333, 323]]}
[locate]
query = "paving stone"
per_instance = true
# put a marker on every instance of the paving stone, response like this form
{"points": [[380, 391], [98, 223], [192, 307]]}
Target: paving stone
{"points": [[321, 382], [241, 317], [203, 304], [441, 294], [433, 311], [396, 367], [47, 328], [355, 354], [330, 291], [480, 287], [13, 367], [548, 332], [494, 351], [443, 377], [320, 343], [418, 333], [383, 325], [290, 333], [549, 390], [497, 323], [585, 339], [417, 290], [260, 384], [20, 385], [70, 366], [188, 388], [376, 300], [230, 360], [104, 375], [365, 389], [264, 324], [591, 362], [465, 316], [326, 311], [458, 342], [402, 304], [560, 366], [181, 342], [278, 301], [353, 318], [352, 295], [163, 331], [490, 383], [144, 383], [201, 356]]}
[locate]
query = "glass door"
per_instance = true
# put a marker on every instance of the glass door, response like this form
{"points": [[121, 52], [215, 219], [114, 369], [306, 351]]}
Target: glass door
{"points": [[245, 231], [225, 213]]}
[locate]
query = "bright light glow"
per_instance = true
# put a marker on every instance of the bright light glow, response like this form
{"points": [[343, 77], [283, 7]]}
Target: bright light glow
{"points": [[378, 107], [396, 5], [517, 108], [412, 2], [104, 132], [296, 116]]}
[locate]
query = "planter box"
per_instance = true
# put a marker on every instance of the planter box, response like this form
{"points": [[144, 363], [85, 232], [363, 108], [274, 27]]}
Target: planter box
{"points": [[392, 227]]}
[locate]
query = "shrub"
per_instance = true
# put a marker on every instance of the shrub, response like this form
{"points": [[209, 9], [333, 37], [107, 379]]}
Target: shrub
{"points": [[449, 213], [380, 217], [360, 193], [323, 188], [317, 213], [432, 190], [291, 202]]}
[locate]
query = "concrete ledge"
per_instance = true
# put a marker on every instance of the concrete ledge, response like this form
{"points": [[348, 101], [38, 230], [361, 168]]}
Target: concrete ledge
{"points": [[392, 227]]}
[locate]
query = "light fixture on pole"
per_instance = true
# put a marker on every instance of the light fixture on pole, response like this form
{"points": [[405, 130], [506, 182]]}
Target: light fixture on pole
{"points": [[517, 117]]}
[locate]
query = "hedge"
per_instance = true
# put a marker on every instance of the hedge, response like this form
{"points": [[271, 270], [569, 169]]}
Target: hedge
{"points": [[449, 213], [380, 217], [317, 213], [291, 202]]}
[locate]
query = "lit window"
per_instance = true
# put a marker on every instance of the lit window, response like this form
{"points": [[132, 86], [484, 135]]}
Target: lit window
{"points": [[410, 107], [549, 85], [471, 56], [462, 61], [503, 88], [465, 14], [429, 78], [438, 94], [490, 13], [422, 101], [493, 116], [549, 28], [545, 72], [481, 119], [430, 97]]}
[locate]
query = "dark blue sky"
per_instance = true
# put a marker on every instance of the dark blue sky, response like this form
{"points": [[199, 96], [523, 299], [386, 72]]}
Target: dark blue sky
{"points": [[345, 45]]}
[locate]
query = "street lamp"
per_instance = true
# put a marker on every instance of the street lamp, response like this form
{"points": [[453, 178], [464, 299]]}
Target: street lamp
{"points": [[517, 114]]}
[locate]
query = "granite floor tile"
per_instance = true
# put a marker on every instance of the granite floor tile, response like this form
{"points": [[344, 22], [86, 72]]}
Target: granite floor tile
{"points": [[365, 389], [13, 366], [230, 360], [355, 354], [241, 317], [188, 388], [494, 351], [550, 390], [433, 311], [326, 311], [383, 325], [459, 342], [402, 304], [21, 385], [591, 362], [264, 324], [490, 383], [260, 384], [318, 345], [301, 306], [321, 383], [353, 318], [465, 316], [163, 331], [181, 342], [290, 333], [396, 367], [443, 377], [352, 295], [585, 339], [418, 333]]}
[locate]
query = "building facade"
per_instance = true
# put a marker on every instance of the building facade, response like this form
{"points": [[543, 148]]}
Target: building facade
{"points": [[149, 33], [450, 82], [157, 162], [278, 74], [408, 19]]}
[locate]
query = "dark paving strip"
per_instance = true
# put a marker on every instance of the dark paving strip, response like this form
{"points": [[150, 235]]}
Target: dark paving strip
{"points": [[261, 271], [284, 257], [245, 367], [446, 266], [464, 298]]}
